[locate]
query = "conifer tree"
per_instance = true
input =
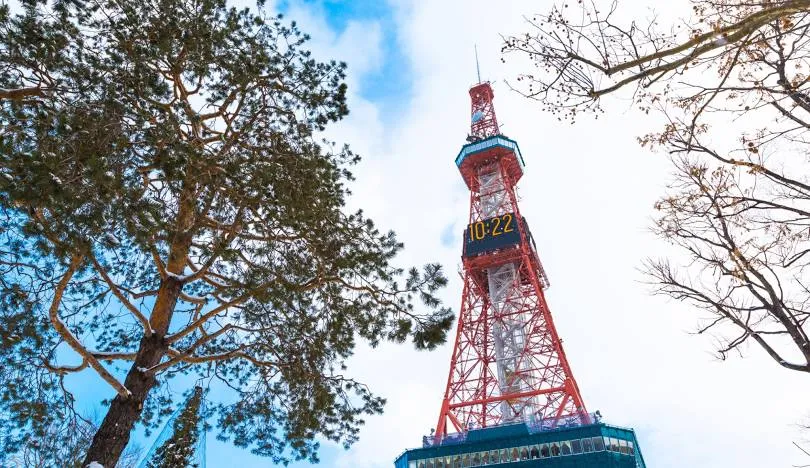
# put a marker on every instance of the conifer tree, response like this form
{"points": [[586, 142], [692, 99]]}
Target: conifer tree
{"points": [[168, 206], [178, 450]]}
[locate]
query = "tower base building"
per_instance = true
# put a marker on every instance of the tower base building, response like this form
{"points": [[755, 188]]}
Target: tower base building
{"points": [[523, 445]]}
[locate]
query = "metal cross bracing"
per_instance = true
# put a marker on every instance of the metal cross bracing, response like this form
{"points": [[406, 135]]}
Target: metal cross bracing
{"points": [[484, 124], [508, 363]]}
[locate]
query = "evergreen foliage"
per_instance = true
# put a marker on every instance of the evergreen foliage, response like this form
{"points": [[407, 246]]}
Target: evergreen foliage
{"points": [[168, 206], [178, 451]]}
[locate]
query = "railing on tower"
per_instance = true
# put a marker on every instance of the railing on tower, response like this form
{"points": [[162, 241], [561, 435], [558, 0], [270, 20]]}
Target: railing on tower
{"points": [[534, 426]]}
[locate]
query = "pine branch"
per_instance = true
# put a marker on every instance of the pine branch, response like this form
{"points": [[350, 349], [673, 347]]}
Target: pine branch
{"points": [[69, 338]]}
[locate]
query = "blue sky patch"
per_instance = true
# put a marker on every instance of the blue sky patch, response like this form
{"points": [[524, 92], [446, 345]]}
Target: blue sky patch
{"points": [[390, 85], [450, 237]]}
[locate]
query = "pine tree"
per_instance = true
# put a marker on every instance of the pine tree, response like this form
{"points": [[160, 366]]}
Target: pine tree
{"points": [[178, 451], [170, 207]]}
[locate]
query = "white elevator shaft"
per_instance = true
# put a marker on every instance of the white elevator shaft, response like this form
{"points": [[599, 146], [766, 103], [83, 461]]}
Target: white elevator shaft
{"points": [[508, 328]]}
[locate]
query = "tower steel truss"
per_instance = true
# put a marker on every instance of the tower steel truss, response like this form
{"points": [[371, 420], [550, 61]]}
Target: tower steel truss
{"points": [[508, 362]]}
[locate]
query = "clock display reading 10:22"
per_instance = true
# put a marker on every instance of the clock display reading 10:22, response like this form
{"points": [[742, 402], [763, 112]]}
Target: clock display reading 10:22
{"points": [[490, 234], [491, 227]]}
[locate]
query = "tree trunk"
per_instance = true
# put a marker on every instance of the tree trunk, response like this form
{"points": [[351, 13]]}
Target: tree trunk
{"points": [[113, 435]]}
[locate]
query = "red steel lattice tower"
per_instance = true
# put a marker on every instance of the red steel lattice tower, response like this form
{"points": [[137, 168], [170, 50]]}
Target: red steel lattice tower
{"points": [[508, 362]]}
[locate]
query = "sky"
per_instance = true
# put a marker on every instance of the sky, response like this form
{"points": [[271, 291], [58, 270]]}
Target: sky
{"points": [[587, 193]]}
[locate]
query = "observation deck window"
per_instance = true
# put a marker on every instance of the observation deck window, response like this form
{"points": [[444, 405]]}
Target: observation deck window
{"points": [[555, 449], [528, 452], [614, 445], [598, 444], [587, 445], [576, 446], [565, 448]]}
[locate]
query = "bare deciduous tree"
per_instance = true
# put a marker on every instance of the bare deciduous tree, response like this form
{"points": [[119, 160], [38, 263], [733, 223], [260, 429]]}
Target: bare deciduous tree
{"points": [[64, 445], [739, 206]]}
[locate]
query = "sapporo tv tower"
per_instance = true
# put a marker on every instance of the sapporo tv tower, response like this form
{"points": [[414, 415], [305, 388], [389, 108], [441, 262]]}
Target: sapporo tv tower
{"points": [[511, 397]]}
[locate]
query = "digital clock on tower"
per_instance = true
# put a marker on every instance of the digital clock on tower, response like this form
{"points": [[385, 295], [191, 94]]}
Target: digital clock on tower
{"points": [[489, 234]]}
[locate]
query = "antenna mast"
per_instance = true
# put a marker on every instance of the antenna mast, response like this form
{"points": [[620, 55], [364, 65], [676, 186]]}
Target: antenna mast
{"points": [[477, 68]]}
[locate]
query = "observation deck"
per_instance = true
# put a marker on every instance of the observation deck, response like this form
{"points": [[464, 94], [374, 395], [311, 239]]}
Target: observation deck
{"points": [[496, 148], [557, 444]]}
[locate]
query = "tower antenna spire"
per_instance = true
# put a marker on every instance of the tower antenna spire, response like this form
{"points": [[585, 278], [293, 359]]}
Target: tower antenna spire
{"points": [[477, 68]]}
